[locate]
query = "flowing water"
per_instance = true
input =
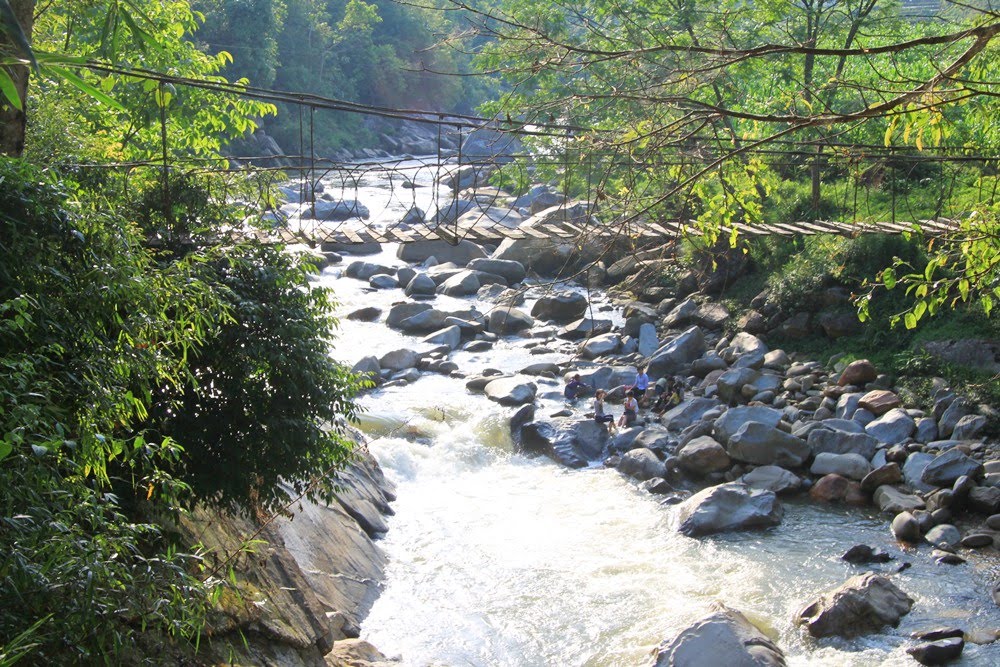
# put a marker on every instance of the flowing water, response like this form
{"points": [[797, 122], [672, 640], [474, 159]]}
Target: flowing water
{"points": [[496, 558]]}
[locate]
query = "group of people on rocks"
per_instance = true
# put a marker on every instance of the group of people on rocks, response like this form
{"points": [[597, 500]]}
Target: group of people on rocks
{"points": [[664, 394]]}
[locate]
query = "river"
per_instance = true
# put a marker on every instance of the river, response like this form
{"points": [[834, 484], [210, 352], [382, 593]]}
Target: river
{"points": [[497, 558]]}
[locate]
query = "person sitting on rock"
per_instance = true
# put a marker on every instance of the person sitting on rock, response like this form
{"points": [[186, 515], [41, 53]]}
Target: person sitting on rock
{"points": [[574, 388], [600, 416], [631, 412]]}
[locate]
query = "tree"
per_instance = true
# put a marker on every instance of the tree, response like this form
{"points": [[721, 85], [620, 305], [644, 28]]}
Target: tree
{"points": [[15, 54]]}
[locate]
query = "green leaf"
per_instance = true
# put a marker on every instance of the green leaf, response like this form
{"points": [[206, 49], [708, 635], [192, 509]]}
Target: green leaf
{"points": [[910, 320], [85, 87], [963, 288], [889, 278], [9, 90], [5, 449]]}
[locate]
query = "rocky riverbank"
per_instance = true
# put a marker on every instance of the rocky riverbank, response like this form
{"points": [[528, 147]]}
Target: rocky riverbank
{"points": [[757, 424]]}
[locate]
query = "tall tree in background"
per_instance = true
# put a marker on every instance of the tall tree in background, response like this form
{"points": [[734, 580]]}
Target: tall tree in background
{"points": [[17, 21]]}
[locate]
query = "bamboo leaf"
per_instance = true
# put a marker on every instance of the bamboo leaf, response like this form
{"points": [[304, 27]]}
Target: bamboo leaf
{"points": [[9, 90], [85, 87]]}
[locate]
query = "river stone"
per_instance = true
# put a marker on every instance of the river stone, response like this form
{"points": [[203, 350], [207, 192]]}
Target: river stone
{"points": [[708, 362], [572, 443], [723, 637], [450, 336], [584, 328], [504, 321], [711, 315], [731, 382], [926, 431], [511, 391], [847, 405], [727, 507], [879, 402], [512, 272], [947, 467], [943, 536], [365, 270], [399, 360], [760, 444], [421, 285], [745, 349], [852, 466], [862, 605], [464, 283], [600, 346], [862, 553], [564, 307], [889, 473], [403, 311], [938, 652], [336, 211], [677, 353], [893, 501], [681, 314], [906, 528], [653, 437], [834, 488], [772, 478], [369, 314], [367, 366], [968, 427], [688, 412], [424, 322], [985, 499], [419, 251], [642, 464], [913, 471], [893, 427], [823, 440], [704, 455], [977, 540], [382, 281], [648, 342], [858, 373], [958, 408], [734, 418]]}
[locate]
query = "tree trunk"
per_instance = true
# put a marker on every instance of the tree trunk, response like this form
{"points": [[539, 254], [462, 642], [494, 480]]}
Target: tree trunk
{"points": [[13, 120]]}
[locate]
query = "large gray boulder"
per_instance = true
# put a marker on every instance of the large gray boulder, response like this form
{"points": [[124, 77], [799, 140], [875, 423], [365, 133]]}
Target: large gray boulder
{"points": [[734, 418], [862, 605], [564, 307], [851, 466], [464, 283], [764, 445], [893, 427], [648, 342], [511, 271], [419, 251], [836, 441], [723, 637], [511, 391], [727, 507], [549, 257], [572, 443], [450, 336], [421, 285], [365, 270], [599, 346], [424, 322], [731, 383], [688, 412], [399, 360], [337, 210], [404, 310], [948, 467], [913, 471], [642, 464], [892, 501], [504, 321], [703, 455], [585, 328], [772, 478], [676, 354]]}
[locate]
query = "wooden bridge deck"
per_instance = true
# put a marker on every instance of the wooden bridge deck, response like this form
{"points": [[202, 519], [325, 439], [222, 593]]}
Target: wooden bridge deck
{"points": [[355, 233]]}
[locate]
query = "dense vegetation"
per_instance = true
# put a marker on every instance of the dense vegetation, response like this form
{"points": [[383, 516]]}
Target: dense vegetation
{"points": [[141, 355]]}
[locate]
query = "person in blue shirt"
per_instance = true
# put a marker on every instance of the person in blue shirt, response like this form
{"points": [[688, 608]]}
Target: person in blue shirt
{"points": [[641, 385], [574, 388]]}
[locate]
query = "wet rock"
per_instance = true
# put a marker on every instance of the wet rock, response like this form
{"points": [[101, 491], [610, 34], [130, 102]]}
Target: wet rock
{"points": [[563, 307], [728, 507], [450, 336], [939, 652], [419, 251], [399, 360], [893, 427], [772, 478], [724, 637], [584, 328], [943, 535], [365, 270], [893, 501], [505, 321], [906, 528], [862, 553], [977, 540], [702, 456], [937, 633], [677, 353], [658, 486], [511, 391], [382, 281], [600, 346], [858, 373], [862, 605], [835, 488], [511, 271], [942, 557], [572, 443], [760, 444], [424, 322], [420, 285], [369, 314], [947, 467], [464, 283], [851, 466], [881, 476], [357, 653], [642, 464]]}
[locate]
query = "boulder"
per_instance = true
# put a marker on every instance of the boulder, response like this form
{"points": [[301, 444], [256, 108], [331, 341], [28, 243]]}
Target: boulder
{"points": [[399, 360], [421, 285], [772, 478], [681, 314], [365, 270], [835, 441], [368, 314], [760, 444], [419, 251], [958, 408], [464, 283], [336, 211], [893, 427], [648, 342], [505, 321], [858, 373], [906, 528], [564, 307], [728, 507], [404, 310], [862, 605], [511, 391], [450, 336], [571, 443], [731, 383], [968, 427], [677, 353], [424, 322], [984, 499], [834, 488], [890, 473], [704, 455], [383, 281], [688, 412], [600, 346], [948, 466], [511, 271], [723, 637], [893, 501], [938, 652], [879, 401], [734, 418], [642, 464], [943, 536], [711, 315], [913, 471], [851, 466]]}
